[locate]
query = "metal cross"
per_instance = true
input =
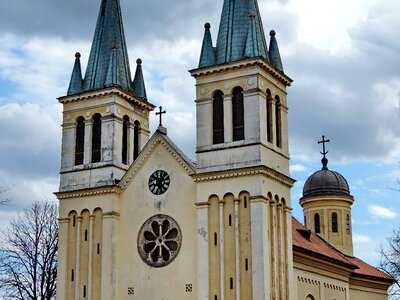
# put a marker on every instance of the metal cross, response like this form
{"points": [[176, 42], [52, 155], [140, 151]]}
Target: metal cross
{"points": [[323, 142], [161, 113]]}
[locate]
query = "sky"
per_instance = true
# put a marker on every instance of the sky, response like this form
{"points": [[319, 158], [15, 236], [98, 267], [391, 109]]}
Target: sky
{"points": [[344, 58]]}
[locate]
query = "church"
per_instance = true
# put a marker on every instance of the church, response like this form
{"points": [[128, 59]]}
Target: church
{"points": [[140, 220]]}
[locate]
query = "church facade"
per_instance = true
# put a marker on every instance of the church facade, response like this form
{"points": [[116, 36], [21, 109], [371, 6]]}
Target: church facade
{"points": [[140, 220]]}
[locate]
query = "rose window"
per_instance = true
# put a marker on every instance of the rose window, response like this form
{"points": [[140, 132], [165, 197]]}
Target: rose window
{"points": [[159, 241]]}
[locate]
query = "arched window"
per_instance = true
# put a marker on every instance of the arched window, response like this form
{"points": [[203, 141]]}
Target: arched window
{"points": [[317, 223], [348, 223], [218, 117], [334, 222], [269, 117], [278, 122], [238, 114], [96, 139], [79, 141], [125, 125], [310, 297], [136, 141]]}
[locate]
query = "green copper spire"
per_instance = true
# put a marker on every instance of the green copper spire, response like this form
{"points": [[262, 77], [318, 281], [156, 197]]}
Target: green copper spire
{"points": [[75, 85], [112, 73], [251, 49], [207, 57], [274, 55], [234, 30], [109, 32], [138, 83]]}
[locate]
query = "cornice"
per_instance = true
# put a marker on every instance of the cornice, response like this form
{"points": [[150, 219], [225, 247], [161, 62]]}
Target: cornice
{"points": [[88, 192], [265, 65], [263, 170], [106, 92]]}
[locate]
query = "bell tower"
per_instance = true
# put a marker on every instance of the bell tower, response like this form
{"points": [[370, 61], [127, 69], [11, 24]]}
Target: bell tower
{"points": [[105, 126], [243, 181], [105, 114]]}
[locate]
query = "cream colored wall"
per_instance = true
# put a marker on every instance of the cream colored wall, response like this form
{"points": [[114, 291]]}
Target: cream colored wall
{"points": [[112, 108], [87, 269], [255, 82], [325, 206], [363, 293], [137, 205], [312, 281], [263, 235]]}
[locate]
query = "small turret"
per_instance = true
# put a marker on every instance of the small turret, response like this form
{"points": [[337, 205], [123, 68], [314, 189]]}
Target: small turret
{"points": [[139, 87], [327, 204], [207, 57], [75, 85], [274, 55]]}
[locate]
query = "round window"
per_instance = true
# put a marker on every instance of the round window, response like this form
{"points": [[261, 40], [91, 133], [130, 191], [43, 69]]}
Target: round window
{"points": [[159, 241]]}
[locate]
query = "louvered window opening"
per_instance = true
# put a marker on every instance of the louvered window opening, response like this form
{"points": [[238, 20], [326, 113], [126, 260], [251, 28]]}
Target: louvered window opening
{"points": [[218, 118], [80, 141], [238, 114], [96, 139]]}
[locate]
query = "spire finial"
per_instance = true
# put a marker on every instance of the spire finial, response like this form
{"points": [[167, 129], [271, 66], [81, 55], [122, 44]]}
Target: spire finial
{"points": [[324, 153], [77, 55], [207, 25], [162, 112]]}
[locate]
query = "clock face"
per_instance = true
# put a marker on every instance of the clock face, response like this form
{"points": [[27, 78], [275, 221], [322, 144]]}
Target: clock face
{"points": [[159, 182]]}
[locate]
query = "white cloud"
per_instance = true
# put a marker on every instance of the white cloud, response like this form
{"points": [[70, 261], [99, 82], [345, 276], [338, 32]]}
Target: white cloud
{"points": [[382, 212], [298, 168], [361, 239]]}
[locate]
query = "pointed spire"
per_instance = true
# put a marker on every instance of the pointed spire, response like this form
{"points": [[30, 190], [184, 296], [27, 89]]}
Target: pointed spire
{"points": [[109, 31], [139, 87], [234, 31], [75, 85], [112, 73], [274, 55], [207, 57]]}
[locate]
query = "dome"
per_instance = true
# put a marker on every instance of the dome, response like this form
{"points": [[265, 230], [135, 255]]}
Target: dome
{"points": [[326, 183]]}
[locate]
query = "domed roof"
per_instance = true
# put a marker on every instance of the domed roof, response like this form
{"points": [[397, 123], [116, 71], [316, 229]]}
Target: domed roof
{"points": [[326, 183]]}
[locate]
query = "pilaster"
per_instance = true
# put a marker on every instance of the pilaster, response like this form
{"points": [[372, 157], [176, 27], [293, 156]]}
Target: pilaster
{"points": [[87, 155], [62, 258], [202, 251], [109, 278], [260, 249]]}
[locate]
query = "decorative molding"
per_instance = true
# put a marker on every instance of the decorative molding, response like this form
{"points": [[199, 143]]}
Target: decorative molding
{"points": [[308, 280], [258, 199], [202, 204], [334, 287], [63, 220], [218, 175], [256, 62], [107, 92], [138, 164], [368, 292], [88, 192], [111, 214]]}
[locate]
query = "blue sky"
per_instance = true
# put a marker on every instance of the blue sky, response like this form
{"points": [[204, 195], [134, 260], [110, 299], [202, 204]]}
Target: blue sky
{"points": [[344, 57]]}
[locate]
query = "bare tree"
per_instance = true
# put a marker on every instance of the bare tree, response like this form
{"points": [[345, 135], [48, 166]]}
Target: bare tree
{"points": [[28, 254], [3, 199], [390, 261]]}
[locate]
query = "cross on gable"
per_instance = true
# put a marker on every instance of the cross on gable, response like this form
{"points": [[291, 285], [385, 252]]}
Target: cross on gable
{"points": [[160, 113], [323, 142]]}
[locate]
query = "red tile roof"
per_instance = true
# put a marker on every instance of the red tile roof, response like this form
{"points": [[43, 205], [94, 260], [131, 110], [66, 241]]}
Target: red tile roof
{"points": [[317, 245]]}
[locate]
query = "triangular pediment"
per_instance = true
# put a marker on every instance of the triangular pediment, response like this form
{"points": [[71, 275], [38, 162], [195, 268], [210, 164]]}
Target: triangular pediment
{"points": [[158, 139]]}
